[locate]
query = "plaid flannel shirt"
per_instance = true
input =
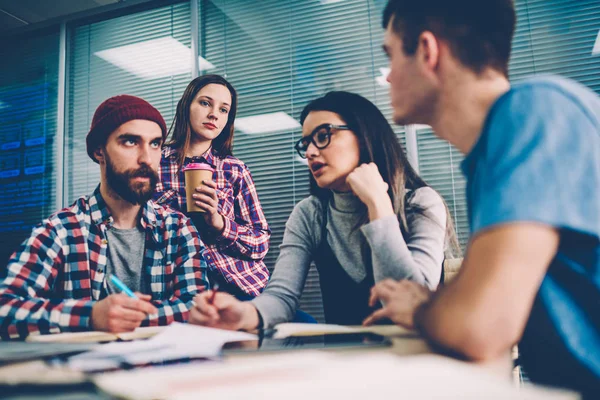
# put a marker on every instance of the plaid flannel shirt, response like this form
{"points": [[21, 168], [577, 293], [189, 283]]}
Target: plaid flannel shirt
{"points": [[57, 275], [238, 252]]}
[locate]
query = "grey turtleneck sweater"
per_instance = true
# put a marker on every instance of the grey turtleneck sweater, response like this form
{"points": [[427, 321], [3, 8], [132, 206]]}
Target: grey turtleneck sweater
{"points": [[419, 258]]}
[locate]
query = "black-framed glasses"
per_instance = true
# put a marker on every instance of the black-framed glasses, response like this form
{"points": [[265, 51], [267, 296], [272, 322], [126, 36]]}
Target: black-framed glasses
{"points": [[320, 137]]}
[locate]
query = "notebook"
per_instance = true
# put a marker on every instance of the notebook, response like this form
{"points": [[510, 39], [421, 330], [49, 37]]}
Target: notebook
{"points": [[177, 343], [96, 336]]}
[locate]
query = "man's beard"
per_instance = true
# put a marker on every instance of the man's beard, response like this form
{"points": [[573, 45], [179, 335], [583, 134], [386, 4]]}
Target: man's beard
{"points": [[121, 182]]}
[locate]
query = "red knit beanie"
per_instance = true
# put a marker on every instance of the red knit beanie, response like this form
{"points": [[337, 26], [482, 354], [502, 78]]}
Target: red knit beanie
{"points": [[113, 113]]}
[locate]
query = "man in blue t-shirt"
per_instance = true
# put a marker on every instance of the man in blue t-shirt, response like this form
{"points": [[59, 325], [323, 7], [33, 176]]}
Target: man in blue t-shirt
{"points": [[532, 267]]}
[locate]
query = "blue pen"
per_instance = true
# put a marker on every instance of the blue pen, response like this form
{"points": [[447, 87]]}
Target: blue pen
{"points": [[121, 286]]}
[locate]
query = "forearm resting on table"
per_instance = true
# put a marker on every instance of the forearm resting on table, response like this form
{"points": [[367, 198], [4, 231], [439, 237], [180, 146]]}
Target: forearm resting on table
{"points": [[483, 312], [454, 326]]}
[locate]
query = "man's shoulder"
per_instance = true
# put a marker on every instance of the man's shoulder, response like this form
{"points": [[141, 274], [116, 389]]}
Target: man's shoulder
{"points": [[79, 207], [545, 93], [546, 110], [550, 82], [70, 218]]}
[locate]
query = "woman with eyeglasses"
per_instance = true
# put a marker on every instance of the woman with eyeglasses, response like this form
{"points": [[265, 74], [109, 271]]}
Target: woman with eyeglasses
{"points": [[369, 218], [233, 226]]}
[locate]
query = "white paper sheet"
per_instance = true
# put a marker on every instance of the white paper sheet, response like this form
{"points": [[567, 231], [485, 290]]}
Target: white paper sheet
{"points": [[177, 341]]}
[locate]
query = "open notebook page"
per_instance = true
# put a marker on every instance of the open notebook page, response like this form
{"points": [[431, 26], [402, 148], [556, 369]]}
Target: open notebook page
{"points": [[177, 341]]}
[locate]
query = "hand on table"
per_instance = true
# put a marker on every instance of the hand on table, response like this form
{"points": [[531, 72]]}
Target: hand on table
{"points": [[223, 311], [400, 300]]}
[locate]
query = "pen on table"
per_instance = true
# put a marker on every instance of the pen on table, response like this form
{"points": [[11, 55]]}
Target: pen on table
{"points": [[214, 289], [122, 287]]}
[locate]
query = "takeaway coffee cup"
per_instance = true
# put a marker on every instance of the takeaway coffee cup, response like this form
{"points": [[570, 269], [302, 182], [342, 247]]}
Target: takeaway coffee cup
{"points": [[195, 173]]}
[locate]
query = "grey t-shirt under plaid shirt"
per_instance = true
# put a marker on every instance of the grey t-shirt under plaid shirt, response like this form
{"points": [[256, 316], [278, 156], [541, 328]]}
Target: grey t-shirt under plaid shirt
{"points": [[125, 256]]}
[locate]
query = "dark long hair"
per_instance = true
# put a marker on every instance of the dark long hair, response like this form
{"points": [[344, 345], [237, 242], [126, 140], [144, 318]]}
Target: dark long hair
{"points": [[378, 144], [180, 132]]}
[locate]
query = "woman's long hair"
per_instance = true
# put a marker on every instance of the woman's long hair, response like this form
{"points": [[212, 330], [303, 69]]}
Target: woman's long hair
{"points": [[181, 132], [378, 144]]}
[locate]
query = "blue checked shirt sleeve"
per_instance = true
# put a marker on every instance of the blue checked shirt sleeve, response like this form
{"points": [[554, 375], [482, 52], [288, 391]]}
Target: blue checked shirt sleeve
{"points": [[26, 302], [248, 236], [189, 276]]}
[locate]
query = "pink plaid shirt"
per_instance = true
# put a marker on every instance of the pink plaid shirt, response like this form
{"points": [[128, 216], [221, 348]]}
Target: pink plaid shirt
{"points": [[238, 252]]}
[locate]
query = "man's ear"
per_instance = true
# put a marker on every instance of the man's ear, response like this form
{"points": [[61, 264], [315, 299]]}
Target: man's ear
{"points": [[99, 154], [428, 50]]}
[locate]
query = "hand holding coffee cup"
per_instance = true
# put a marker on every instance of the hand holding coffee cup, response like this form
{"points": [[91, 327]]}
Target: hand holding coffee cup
{"points": [[195, 173], [206, 199], [201, 194]]}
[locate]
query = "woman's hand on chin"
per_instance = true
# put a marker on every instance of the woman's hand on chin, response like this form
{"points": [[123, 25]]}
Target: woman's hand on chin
{"points": [[368, 185]]}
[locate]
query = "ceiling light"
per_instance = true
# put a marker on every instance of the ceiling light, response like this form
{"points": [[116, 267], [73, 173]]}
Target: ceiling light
{"points": [[264, 123], [151, 59]]}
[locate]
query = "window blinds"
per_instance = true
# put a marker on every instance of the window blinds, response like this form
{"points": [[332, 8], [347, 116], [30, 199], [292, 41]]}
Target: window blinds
{"points": [[279, 56], [132, 54]]}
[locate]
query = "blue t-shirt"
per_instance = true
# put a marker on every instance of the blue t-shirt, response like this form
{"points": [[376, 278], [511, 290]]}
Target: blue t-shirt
{"points": [[538, 160]]}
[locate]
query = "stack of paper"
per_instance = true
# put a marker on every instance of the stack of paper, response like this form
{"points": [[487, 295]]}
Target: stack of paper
{"points": [[177, 341]]}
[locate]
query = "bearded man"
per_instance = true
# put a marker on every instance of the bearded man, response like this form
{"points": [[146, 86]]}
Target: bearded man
{"points": [[59, 278]]}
